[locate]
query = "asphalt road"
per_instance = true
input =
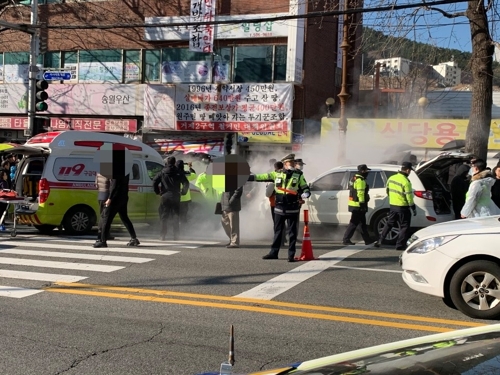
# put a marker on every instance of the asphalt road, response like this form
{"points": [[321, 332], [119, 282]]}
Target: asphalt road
{"points": [[166, 308]]}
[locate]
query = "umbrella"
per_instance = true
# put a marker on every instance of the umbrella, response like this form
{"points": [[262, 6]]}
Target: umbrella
{"points": [[397, 148], [456, 144]]}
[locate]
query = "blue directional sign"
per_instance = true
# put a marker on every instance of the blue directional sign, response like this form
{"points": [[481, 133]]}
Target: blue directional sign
{"points": [[56, 76]]}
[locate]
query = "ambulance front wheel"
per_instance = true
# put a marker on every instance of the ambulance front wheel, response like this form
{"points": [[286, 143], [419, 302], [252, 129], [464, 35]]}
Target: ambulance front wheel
{"points": [[79, 220]]}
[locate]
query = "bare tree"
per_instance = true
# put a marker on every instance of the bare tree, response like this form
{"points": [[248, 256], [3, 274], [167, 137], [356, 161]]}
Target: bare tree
{"points": [[483, 47]]}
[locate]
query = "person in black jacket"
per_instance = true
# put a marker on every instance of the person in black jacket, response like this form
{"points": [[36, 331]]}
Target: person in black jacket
{"points": [[168, 184], [116, 204], [458, 188], [231, 207]]}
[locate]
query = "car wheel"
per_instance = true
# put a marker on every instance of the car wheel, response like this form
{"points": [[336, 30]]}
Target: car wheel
{"points": [[78, 220], [378, 226], [45, 228], [475, 289]]}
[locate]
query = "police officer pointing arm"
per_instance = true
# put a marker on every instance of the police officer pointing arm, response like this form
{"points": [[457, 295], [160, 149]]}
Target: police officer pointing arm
{"points": [[288, 182]]}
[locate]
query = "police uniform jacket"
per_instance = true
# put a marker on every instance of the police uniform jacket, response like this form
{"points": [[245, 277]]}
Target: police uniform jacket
{"points": [[288, 185], [400, 192]]}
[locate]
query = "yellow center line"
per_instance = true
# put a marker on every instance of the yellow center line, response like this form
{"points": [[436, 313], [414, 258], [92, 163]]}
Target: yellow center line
{"points": [[298, 314], [254, 301]]}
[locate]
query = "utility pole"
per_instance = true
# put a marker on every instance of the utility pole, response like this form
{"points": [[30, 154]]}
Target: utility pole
{"points": [[33, 69], [343, 92]]}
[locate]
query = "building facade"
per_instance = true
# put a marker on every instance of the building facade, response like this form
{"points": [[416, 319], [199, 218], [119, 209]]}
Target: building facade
{"points": [[394, 66], [448, 73], [148, 69]]}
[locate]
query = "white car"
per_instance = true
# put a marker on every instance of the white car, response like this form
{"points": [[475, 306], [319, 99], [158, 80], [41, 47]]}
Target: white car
{"points": [[458, 261], [328, 203]]}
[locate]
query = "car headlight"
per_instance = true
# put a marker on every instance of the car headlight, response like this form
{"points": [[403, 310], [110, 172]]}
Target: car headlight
{"points": [[430, 244]]}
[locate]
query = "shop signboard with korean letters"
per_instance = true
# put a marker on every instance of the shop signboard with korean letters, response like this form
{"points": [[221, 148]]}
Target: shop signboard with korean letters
{"points": [[263, 107], [419, 133]]}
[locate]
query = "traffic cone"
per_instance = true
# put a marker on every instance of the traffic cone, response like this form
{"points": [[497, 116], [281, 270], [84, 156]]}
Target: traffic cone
{"points": [[307, 250]]}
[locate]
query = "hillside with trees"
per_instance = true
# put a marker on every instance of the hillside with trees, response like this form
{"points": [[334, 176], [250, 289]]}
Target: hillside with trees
{"points": [[376, 45]]}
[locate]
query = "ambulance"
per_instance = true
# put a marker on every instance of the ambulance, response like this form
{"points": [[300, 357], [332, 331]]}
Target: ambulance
{"points": [[57, 178]]}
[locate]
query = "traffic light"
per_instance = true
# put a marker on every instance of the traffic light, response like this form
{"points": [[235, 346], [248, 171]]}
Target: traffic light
{"points": [[41, 95]]}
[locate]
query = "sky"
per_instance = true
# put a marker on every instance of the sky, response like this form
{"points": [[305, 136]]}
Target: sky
{"points": [[431, 27]]}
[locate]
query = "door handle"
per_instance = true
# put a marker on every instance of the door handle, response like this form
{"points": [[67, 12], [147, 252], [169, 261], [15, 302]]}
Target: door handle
{"points": [[333, 198], [378, 196]]}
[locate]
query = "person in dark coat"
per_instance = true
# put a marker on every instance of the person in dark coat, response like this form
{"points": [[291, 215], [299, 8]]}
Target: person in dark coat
{"points": [[6, 168], [231, 207], [116, 203], [170, 183], [459, 187], [495, 189]]}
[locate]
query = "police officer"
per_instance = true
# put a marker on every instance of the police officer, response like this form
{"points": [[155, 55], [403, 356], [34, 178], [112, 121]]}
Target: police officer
{"points": [[358, 205], [287, 184], [400, 194]]}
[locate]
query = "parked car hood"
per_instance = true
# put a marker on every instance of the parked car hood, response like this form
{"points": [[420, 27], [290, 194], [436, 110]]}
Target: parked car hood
{"points": [[480, 225]]}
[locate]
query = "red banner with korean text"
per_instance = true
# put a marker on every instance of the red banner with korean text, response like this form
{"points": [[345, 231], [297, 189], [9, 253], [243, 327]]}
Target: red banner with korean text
{"points": [[424, 133], [86, 124], [94, 124], [245, 107]]}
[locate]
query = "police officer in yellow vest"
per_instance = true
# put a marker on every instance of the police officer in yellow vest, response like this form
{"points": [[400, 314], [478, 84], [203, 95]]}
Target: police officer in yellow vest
{"points": [[288, 182], [358, 205], [400, 194]]}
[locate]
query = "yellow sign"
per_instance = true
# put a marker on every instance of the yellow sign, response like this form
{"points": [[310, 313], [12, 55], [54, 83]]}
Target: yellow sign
{"points": [[425, 133], [265, 137]]}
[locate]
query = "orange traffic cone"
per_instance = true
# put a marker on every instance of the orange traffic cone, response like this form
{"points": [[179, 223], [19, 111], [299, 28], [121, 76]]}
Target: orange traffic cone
{"points": [[307, 251]]}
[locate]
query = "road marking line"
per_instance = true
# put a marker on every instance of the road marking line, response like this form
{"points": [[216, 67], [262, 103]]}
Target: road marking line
{"points": [[54, 254], [367, 269], [14, 292], [253, 301], [129, 250], [63, 265], [40, 276], [280, 284], [146, 243], [299, 314]]}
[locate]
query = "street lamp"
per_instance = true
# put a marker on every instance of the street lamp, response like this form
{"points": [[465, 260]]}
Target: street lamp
{"points": [[423, 102], [343, 92], [329, 104]]}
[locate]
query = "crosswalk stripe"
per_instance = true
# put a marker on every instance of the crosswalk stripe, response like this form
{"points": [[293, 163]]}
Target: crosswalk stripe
{"points": [[129, 250], [54, 254], [24, 275], [64, 265], [146, 243], [14, 292]]}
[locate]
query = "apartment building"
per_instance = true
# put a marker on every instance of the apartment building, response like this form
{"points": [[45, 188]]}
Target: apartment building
{"points": [[448, 73], [178, 87], [394, 66]]}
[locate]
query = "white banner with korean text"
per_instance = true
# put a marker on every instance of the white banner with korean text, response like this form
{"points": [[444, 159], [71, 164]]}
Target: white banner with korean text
{"points": [[247, 107], [201, 37], [159, 107]]}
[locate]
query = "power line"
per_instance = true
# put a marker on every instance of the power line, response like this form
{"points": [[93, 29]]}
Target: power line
{"points": [[262, 19]]}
